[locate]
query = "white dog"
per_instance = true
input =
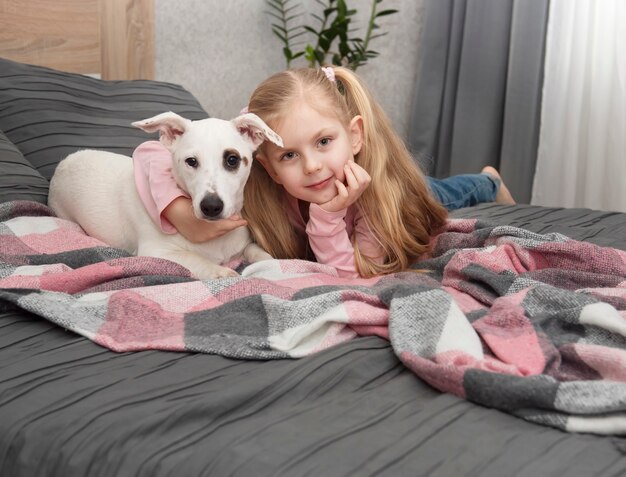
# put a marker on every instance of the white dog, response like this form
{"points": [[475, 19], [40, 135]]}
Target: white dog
{"points": [[211, 161]]}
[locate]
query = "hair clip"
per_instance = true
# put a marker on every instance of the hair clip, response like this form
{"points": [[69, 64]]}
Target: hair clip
{"points": [[329, 72]]}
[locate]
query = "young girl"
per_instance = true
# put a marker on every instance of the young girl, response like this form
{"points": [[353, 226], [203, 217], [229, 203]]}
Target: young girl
{"points": [[343, 190]]}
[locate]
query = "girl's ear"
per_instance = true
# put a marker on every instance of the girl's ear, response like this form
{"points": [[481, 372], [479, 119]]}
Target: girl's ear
{"points": [[356, 134], [267, 165]]}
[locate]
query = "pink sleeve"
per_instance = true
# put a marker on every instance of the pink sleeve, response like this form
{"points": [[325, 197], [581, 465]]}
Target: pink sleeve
{"points": [[155, 184], [329, 238]]}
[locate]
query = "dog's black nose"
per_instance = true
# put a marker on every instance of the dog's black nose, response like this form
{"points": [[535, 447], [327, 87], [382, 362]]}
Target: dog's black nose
{"points": [[211, 206]]}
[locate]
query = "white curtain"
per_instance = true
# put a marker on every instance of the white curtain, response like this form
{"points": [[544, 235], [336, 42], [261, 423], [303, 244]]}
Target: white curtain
{"points": [[582, 143]]}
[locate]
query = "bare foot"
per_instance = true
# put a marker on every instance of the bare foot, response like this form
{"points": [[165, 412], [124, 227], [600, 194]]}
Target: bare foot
{"points": [[504, 195]]}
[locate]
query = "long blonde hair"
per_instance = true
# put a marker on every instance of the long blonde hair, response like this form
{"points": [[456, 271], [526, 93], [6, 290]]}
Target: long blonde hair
{"points": [[399, 209]]}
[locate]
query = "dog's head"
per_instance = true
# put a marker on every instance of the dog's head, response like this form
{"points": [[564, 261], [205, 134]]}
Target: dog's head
{"points": [[211, 158]]}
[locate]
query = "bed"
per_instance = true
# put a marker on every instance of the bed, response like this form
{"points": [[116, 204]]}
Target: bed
{"points": [[127, 366]]}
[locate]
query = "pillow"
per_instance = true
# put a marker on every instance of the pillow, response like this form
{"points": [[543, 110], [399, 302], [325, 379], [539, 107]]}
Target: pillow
{"points": [[49, 114], [18, 179]]}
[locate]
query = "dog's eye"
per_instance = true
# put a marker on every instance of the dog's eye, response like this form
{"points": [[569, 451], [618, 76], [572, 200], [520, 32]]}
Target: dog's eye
{"points": [[232, 161], [191, 162]]}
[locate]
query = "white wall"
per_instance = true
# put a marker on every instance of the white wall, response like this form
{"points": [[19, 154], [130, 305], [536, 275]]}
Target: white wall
{"points": [[221, 49]]}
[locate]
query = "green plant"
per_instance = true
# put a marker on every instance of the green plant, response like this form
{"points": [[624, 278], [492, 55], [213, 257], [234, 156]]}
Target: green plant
{"points": [[333, 31]]}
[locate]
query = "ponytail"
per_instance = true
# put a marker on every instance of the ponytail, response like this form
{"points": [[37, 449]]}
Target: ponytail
{"points": [[398, 206]]}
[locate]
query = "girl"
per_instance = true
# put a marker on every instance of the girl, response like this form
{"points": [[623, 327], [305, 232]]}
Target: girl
{"points": [[343, 190]]}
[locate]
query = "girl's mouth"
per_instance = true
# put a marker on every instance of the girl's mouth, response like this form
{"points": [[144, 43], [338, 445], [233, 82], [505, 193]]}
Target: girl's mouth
{"points": [[320, 185]]}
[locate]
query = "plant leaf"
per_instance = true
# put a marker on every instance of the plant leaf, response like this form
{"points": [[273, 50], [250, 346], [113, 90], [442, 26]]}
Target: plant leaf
{"points": [[319, 56], [279, 35], [280, 28], [386, 12]]}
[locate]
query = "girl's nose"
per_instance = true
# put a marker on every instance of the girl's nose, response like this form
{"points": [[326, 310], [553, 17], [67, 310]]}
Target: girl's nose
{"points": [[311, 165]]}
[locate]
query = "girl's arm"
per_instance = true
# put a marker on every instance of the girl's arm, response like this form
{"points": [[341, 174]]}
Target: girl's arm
{"points": [[180, 214], [331, 243], [167, 205], [329, 240], [326, 229]]}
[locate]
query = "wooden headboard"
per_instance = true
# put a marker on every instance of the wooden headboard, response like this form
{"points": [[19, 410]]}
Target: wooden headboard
{"points": [[110, 38]]}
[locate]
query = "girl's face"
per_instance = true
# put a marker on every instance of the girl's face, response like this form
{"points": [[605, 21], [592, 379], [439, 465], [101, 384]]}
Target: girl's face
{"points": [[316, 148]]}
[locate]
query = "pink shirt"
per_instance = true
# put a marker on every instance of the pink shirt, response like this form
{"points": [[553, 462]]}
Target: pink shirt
{"points": [[329, 233], [155, 183]]}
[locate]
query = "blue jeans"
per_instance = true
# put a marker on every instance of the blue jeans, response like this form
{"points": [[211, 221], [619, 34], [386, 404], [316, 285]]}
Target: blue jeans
{"points": [[464, 190]]}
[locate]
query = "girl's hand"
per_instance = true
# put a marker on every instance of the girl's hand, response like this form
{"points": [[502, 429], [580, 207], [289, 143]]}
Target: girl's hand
{"points": [[180, 214], [357, 180]]}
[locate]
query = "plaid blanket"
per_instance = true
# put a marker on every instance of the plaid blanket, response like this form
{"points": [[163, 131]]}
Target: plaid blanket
{"points": [[533, 325]]}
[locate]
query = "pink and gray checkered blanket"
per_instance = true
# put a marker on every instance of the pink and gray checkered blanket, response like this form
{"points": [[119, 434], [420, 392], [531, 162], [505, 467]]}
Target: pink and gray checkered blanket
{"points": [[533, 325]]}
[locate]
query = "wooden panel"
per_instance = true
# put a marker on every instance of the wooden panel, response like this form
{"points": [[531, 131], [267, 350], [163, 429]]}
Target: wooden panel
{"points": [[62, 34], [127, 35], [112, 38]]}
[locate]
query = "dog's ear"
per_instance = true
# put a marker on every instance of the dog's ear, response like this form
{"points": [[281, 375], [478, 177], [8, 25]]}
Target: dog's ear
{"points": [[253, 128], [170, 125]]}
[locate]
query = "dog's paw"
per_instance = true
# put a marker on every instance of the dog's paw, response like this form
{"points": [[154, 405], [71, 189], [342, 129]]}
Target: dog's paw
{"points": [[225, 272], [200, 267], [213, 272], [253, 253]]}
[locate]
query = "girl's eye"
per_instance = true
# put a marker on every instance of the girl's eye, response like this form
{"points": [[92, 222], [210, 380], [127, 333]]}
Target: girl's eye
{"points": [[191, 162], [325, 141], [288, 156]]}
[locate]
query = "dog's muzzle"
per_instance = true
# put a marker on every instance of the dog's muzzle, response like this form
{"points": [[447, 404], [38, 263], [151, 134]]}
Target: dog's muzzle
{"points": [[211, 206]]}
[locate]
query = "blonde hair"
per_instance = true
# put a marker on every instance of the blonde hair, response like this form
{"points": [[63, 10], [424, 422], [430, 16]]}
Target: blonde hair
{"points": [[399, 209]]}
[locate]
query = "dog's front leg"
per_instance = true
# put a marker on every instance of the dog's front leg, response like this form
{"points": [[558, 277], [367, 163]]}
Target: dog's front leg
{"points": [[199, 266], [253, 253]]}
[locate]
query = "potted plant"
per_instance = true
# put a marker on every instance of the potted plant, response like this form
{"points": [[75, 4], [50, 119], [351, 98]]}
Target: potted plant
{"points": [[332, 36]]}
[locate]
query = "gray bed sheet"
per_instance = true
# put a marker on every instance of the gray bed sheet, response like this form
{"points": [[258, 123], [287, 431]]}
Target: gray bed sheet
{"points": [[607, 229], [71, 408]]}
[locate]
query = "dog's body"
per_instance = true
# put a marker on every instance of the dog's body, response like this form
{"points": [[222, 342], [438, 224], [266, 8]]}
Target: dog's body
{"points": [[211, 161]]}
